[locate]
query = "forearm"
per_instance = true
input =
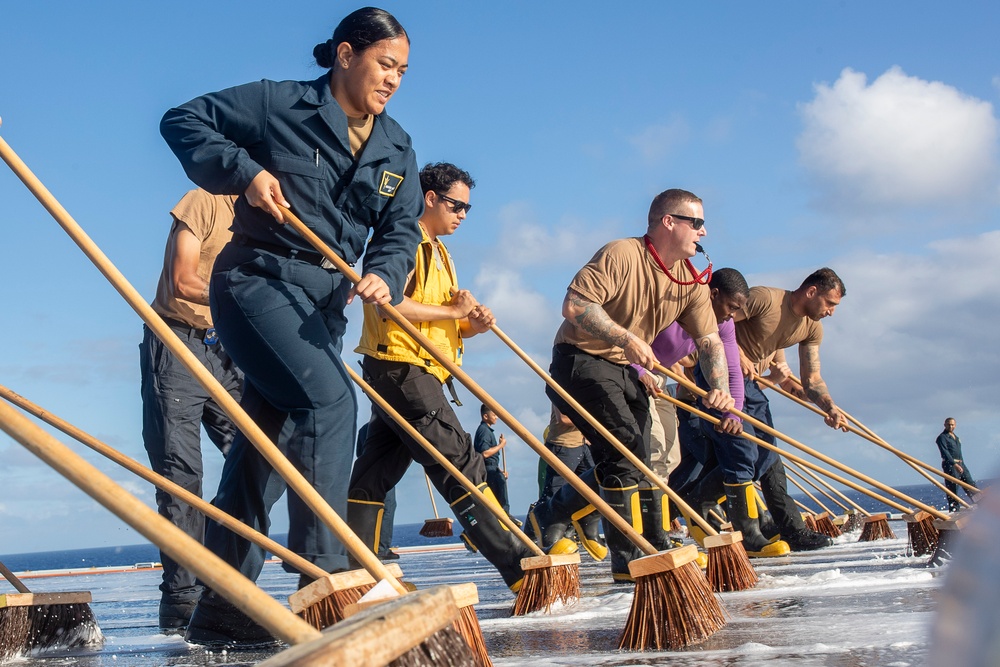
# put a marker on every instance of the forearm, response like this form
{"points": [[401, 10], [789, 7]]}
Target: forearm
{"points": [[817, 392], [712, 359], [414, 311], [192, 289], [590, 318]]}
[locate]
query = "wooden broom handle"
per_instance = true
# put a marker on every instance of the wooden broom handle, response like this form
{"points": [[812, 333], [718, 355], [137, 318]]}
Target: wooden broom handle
{"points": [[791, 478], [792, 457], [12, 578], [295, 480], [216, 573], [791, 467], [613, 517], [833, 489], [870, 435], [689, 513], [442, 460], [430, 492], [809, 450], [159, 481]]}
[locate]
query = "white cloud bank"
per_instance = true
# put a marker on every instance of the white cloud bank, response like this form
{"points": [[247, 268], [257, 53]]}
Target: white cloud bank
{"points": [[899, 141]]}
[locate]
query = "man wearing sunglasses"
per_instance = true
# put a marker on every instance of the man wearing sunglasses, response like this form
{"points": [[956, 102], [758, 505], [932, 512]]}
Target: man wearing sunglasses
{"points": [[615, 306], [412, 382]]}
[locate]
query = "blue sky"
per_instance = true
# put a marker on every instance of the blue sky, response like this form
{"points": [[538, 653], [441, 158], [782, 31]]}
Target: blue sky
{"points": [[862, 136]]}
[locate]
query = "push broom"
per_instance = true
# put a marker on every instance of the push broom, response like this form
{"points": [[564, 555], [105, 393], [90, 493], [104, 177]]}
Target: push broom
{"points": [[547, 579], [341, 589], [854, 515], [436, 527], [729, 567], [673, 605], [824, 524], [430, 639], [288, 472]]}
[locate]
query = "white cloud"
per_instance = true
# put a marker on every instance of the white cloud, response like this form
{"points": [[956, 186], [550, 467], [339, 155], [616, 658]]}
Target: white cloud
{"points": [[900, 141]]}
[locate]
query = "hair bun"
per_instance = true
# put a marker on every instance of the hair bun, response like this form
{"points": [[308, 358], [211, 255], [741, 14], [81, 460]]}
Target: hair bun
{"points": [[324, 54]]}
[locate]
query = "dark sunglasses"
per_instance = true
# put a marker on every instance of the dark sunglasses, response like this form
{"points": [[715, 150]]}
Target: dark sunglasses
{"points": [[457, 206], [696, 223]]}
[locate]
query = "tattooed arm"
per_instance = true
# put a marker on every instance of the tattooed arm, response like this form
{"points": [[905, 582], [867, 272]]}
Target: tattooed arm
{"points": [[712, 359], [591, 319], [815, 388]]}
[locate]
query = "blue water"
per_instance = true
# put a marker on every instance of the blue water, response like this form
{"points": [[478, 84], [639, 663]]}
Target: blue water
{"points": [[405, 535]]}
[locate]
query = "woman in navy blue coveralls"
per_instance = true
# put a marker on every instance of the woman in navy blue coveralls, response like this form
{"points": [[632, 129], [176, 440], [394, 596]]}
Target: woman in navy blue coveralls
{"points": [[279, 310]]}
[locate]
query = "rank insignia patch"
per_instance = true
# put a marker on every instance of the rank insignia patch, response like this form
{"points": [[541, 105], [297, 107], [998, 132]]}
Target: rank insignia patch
{"points": [[389, 184]]}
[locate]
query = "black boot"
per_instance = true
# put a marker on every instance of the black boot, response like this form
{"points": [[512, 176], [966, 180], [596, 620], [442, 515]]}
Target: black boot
{"points": [[497, 544], [364, 517], [741, 501], [174, 616], [655, 518], [774, 487], [704, 499], [219, 624], [551, 519], [587, 525], [623, 499]]}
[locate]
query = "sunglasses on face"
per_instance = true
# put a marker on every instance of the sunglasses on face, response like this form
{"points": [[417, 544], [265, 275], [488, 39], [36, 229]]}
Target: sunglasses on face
{"points": [[457, 206], [696, 223]]}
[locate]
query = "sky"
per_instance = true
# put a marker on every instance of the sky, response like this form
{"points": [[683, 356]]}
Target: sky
{"points": [[860, 136]]}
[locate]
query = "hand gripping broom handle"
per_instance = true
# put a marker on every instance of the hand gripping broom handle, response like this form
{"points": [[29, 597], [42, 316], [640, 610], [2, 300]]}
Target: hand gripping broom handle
{"points": [[523, 433], [268, 450], [870, 435], [606, 434], [216, 573], [812, 452], [822, 482], [159, 481], [791, 457], [496, 510]]}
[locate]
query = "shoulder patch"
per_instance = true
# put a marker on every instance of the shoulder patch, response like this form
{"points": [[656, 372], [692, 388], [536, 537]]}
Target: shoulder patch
{"points": [[389, 183]]}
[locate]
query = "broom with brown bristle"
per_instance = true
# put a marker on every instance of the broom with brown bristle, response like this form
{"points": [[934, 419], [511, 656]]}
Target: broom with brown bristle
{"points": [[948, 532], [547, 579], [45, 621], [687, 624], [821, 523], [436, 527], [921, 535], [855, 521], [321, 603], [729, 567], [853, 518], [876, 528]]}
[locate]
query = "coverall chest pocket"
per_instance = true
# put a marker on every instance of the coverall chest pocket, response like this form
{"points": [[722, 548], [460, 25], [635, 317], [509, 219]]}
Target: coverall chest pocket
{"points": [[301, 179]]}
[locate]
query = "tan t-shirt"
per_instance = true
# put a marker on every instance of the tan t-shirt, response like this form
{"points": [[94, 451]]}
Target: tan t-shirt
{"points": [[358, 131], [564, 435], [770, 325], [624, 279], [209, 218]]}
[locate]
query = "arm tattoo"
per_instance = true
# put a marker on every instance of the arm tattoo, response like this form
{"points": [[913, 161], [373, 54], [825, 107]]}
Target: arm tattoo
{"points": [[204, 295], [595, 321], [712, 359], [812, 381]]}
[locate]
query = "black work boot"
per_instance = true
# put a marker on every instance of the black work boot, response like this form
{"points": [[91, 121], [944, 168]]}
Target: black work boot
{"points": [[364, 517], [774, 487], [497, 544], [741, 501], [704, 499], [587, 526], [623, 499], [655, 518], [219, 624], [175, 615], [551, 519]]}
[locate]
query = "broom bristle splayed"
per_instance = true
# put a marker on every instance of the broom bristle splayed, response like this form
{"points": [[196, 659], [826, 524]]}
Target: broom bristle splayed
{"points": [[921, 535], [547, 580], [826, 526], [855, 521], [729, 567], [323, 602], [437, 528], [876, 528], [467, 624], [673, 604]]}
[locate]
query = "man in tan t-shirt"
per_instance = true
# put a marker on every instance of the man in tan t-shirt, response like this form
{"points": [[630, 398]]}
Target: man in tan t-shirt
{"points": [[772, 320], [174, 404], [616, 304]]}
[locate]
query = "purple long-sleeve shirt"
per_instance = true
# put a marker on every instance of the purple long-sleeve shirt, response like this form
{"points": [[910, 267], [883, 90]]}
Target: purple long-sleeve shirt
{"points": [[673, 344]]}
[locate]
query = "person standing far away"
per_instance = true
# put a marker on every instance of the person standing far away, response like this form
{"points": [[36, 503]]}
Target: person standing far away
{"points": [[489, 445], [327, 150], [174, 406], [953, 464]]}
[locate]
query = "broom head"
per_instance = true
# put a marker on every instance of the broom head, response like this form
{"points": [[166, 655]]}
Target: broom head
{"points": [[826, 526], [467, 624], [921, 534], [547, 579], [876, 528], [673, 604], [47, 622], [437, 528], [729, 567], [323, 602]]}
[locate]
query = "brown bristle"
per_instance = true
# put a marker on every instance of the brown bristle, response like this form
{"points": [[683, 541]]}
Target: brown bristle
{"points": [[48, 627], [467, 625], [922, 536], [855, 521], [14, 631], [876, 529], [672, 609], [675, 525], [810, 522], [826, 526], [330, 609], [437, 528], [729, 568], [543, 586], [444, 647]]}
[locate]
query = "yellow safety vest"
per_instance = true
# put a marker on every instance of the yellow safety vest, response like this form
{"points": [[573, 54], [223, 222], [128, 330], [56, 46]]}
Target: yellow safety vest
{"points": [[433, 279]]}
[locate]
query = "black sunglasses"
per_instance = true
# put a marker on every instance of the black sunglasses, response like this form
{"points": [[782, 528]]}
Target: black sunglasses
{"points": [[457, 206], [696, 223]]}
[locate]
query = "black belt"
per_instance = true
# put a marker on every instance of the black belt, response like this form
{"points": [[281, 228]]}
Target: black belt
{"points": [[282, 251], [207, 335]]}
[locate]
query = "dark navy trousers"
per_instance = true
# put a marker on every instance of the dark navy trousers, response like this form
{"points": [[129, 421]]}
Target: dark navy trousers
{"points": [[283, 322]]}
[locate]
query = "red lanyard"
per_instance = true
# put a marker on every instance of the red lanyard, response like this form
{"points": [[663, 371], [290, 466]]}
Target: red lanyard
{"points": [[700, 278]]}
